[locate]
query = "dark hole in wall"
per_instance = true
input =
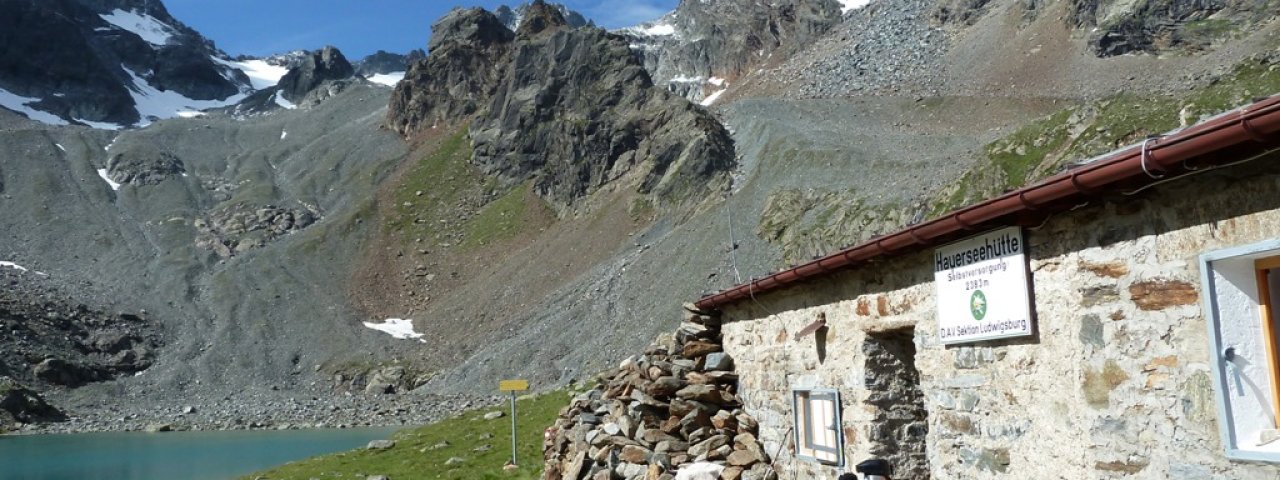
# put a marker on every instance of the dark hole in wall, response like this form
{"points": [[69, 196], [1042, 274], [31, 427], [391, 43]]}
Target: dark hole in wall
{"points": [[820, 341], [901, 424]]}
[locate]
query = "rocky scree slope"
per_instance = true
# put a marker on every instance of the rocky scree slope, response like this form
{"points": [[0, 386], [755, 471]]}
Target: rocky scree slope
{"points": [[50, 339], [232, 234], [569, 108], [1070, 49], [88, 60], [20, 405], [700, 45]]}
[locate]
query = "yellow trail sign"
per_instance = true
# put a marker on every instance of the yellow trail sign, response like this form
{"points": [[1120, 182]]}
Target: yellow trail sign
{"points": [[513, 385]]}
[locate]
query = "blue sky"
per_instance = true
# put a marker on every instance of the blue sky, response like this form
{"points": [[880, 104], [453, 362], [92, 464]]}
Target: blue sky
{"points": [[359, 27]]}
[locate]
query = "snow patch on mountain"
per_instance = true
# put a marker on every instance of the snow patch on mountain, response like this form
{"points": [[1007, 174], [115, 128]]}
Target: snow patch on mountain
{"points": [[660, 29], [19, 103], [14, 266], [153, 103], [847, 6], [401, 328], [261, 74], [283, 102], [719, 82], [102, 172], [151, 30], [388, 79], [100, 125]]}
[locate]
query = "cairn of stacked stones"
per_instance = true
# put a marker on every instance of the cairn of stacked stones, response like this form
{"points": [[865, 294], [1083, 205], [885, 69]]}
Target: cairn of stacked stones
{"points": [[674, 406]]}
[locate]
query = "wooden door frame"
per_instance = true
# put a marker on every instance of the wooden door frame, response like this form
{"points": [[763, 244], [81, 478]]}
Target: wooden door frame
{"points": [[1261, 267]]}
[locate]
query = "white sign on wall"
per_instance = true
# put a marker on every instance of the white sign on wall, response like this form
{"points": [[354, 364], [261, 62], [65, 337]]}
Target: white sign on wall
{"points": [[983, 287]]}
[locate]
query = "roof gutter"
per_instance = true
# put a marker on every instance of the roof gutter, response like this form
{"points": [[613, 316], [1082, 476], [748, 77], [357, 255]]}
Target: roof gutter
{"points": [[1249, 130]]}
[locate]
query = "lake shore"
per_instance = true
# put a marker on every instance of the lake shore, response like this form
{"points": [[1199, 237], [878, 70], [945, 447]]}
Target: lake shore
{"points": [[187, 455], [282, 410]]}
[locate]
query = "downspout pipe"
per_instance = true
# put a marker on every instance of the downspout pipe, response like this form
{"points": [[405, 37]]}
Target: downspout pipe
{"points": [[1255, 127]]}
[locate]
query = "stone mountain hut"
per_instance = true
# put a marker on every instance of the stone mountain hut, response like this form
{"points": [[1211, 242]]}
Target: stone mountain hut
{"points": [[1117, 320]]}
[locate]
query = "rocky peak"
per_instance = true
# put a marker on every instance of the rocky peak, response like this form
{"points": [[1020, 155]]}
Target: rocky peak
{"points": [[512, 17], [382, 62], [320, 66], [696, 48], [540, 17], [570, 108], [468, 28], [457, 75], [83, 60]]}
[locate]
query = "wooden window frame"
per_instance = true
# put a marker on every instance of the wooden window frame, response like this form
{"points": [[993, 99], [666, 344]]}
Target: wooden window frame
{"points": [[807, 448], [1261, 267]]}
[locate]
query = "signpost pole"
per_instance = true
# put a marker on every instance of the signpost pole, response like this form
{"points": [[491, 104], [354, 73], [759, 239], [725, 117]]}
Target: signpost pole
{"points": [[513, 427], [513, 386]]}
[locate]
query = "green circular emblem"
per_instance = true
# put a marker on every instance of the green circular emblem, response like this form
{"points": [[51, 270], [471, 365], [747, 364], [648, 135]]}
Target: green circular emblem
{"points": [[978, 305]]}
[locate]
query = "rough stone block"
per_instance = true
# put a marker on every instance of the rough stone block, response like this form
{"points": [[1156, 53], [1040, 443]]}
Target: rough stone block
{"points": [[723, 420], [718, 361], [943, 399], [864, 307], [664, 386], [965, 358], [1113, 269], [715, 442], [740, 458], [634, 454], [1129, 467], [955, 423], [1159, 294], [1098, 384], [1091, 331], [1099, 295], [990, 459], [699, 348], [965, 381], [631, 471]]}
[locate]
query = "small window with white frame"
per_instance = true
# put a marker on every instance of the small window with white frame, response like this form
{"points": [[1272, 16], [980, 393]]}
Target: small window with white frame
{"points": [[1242, 293], [817, 426]]}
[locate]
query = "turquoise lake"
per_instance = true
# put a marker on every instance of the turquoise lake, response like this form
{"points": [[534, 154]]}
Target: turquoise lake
{"points": [[170, 455]]}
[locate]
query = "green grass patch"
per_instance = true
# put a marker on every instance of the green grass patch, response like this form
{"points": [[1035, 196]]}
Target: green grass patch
{"points": [[1018, 154], [444, 178], [641, 210], [1208, 28], [502, 219], [957, 196], [418, 452]]}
